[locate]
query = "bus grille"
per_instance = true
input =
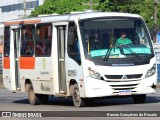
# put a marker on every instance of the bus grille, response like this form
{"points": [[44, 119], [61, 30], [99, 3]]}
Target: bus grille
{"points": [[124, 87], [133, 76]]}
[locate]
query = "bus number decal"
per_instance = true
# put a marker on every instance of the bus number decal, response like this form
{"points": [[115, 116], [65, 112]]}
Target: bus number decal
{"points": [[72, 72], [42, 73]]}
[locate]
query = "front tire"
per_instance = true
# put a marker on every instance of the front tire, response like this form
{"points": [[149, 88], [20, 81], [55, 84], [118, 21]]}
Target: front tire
{"points": [[139, 98], [77, 100]]}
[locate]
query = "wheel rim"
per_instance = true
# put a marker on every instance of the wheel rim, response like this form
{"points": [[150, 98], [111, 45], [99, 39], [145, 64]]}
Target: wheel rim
{"points": [[31, 94], [76, 96]]}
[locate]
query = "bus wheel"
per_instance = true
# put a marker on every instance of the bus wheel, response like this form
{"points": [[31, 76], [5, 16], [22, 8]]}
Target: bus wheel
{"points": [[33, 98], [139, 98], [77, 100]]}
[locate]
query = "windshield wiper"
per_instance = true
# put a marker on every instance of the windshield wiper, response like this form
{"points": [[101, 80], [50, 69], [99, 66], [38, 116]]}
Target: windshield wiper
{"points": [[130, 50], [109, 51]]}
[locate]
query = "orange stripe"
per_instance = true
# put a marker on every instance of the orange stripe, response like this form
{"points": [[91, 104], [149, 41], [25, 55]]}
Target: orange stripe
{"points": [[22, 22], [6, 63], [12, 23], [27, 62], [31, 21]]}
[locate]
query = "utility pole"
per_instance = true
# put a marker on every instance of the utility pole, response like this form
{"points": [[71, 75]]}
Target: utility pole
{"points": [[25, 9], [155, 27], [90, 4]]}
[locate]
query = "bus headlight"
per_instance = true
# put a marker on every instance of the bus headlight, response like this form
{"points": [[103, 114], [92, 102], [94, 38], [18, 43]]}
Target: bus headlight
{"points": [[151, 71], [94, 74]]}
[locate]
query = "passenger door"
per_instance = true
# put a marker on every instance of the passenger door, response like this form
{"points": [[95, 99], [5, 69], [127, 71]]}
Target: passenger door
{"points": [[16, 39], [59, 37], [14, 57]]}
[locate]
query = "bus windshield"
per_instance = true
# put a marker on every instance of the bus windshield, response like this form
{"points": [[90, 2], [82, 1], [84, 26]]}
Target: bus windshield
{"points": [[116, 37]]}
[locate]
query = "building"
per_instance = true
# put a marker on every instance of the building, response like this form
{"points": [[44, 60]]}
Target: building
{"points": [[15, 9]]}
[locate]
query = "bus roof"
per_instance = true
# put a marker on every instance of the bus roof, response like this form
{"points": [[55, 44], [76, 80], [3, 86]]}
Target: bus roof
{"points": [[101, 14], [67, 17]]}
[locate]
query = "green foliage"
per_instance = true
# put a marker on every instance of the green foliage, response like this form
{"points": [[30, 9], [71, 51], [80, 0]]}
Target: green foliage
{"points": [[61, 6], [143, 7]]}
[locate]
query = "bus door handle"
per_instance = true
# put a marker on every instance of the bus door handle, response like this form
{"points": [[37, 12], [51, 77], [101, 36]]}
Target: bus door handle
{"points": [[61, 60]]}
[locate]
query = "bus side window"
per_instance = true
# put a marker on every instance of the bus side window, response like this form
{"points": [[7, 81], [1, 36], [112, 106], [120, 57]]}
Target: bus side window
{"points": [[27, 40], [6, 41], [73, 47], [43, 40]]}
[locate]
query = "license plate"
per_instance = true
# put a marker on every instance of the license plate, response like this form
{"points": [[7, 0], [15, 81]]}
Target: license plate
{"points": [[125, 92]]}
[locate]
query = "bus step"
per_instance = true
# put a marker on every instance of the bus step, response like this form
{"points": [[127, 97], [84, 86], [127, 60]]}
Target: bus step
{"points": [[61, 95], [62, 92], [18, 89]]}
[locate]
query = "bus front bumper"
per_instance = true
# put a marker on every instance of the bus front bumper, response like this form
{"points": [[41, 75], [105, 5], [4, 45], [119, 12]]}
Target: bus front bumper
{"points": [[102, 88]]}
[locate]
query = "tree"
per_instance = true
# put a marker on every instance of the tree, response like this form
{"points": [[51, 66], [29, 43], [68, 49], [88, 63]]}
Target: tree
{"points": [[143, 7], [61, 6]]}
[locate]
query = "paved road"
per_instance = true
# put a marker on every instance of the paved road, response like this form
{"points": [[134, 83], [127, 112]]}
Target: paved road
{"points": [[1, 82], [19, 102]]}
